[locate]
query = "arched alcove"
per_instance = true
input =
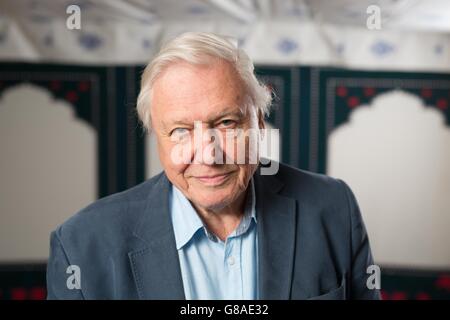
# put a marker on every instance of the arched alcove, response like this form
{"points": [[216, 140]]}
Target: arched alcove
{"points": [[48, 168], [395, 155]]}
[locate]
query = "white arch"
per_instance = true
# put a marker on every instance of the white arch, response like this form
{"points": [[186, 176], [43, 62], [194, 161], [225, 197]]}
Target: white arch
{"points": [[395, 154], [48, 170]]}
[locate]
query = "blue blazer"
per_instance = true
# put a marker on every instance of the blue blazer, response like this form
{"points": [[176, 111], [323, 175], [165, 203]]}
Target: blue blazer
{"points": [[312, 243]]}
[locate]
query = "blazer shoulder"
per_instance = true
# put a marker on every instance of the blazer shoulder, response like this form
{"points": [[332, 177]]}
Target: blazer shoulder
{"points": [[301, 182], [110, 213], [318, 195]]}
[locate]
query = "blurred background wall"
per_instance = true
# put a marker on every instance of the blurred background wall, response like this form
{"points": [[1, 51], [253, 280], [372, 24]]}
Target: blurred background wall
{"points": [[362, 93]]}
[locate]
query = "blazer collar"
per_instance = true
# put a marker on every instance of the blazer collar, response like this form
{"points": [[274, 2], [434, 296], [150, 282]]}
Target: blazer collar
{"points": [[276, 238], [156, 267]]}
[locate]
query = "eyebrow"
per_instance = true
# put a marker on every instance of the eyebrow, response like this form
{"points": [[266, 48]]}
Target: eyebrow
{"points": [[239, 112], [227, 112]]}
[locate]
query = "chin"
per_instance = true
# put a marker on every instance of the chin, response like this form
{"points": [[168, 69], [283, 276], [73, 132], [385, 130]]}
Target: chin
{"points": [[213, 200]]}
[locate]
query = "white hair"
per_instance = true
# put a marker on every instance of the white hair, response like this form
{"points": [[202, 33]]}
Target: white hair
{"points": [[195, 48]]}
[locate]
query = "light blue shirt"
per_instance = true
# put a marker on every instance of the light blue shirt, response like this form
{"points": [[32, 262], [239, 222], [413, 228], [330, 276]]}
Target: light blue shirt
{"points": [[211, 268]]}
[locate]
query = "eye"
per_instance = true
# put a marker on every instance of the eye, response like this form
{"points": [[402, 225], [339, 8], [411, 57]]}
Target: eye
{"points": [[227, 123], [179, 132]]}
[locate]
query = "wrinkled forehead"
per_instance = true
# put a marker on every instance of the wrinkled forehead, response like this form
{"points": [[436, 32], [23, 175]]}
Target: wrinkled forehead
{"points": [[198, 91]]}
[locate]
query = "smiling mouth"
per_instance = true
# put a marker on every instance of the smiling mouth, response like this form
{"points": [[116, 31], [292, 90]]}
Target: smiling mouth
{"points": [[213, 180]]}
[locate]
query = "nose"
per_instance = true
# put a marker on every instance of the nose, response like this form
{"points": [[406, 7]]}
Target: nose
{"points": [[208, 145]]}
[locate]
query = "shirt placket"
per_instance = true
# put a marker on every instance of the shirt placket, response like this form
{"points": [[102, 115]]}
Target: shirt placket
{"points": [[232, 263]]}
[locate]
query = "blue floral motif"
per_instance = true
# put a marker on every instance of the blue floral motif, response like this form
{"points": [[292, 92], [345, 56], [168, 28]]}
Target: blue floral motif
{"points": [[90, 41], [286, 46], [146, 43], [340, 48], [40, 18], [197, 9], [48, 40], [382, 48], [146, 20], [241, 41], [438, 49]]}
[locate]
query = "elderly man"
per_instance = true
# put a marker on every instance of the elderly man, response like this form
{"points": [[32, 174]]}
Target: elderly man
{"points": [[213, 225]]}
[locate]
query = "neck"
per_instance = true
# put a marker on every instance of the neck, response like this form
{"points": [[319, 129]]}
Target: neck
{"points": [[224, 221]]}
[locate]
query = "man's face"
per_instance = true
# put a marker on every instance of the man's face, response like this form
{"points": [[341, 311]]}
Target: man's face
{"points": [[188, 99]]}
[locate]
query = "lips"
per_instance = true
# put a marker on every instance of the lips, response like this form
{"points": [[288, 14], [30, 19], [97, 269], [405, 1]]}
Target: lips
{"points": [[213, 180]]}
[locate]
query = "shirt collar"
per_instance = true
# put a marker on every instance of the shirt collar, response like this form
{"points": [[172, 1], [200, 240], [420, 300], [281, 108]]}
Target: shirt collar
{"points": [[186, 221], [249, 213]]}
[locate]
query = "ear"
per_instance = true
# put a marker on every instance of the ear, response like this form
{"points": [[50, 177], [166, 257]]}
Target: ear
{"points": [[261, 122]]}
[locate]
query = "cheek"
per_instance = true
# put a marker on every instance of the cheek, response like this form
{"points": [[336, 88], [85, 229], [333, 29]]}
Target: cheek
{"points": [[173, 168], [245, 174], [229, 147], [235, 147]]}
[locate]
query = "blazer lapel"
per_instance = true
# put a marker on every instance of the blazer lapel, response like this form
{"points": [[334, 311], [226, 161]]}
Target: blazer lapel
{"points": [[276, 238], [155, 266]]}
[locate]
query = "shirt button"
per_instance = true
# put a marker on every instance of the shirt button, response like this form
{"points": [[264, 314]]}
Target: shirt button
{"points": [[231, 261]]}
